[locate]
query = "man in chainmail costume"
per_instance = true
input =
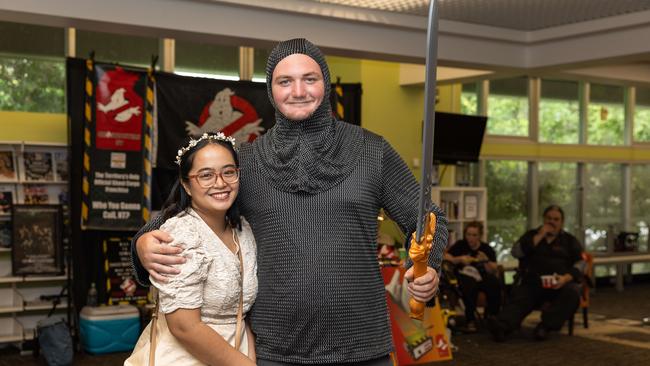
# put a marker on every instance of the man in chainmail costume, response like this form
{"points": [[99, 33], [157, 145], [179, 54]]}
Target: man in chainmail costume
{"points": [[312, 188]]}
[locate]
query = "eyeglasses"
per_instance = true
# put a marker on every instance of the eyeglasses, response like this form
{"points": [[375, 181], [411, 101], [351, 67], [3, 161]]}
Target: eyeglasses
{"points": [[208, 178]]}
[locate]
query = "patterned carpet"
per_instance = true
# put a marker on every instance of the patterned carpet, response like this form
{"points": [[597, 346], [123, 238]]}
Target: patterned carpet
{"points": [[615, 336]]}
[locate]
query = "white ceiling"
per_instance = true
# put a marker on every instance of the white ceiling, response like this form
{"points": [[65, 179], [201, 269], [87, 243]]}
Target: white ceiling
{"points": [[523, 15], [605, 39]]}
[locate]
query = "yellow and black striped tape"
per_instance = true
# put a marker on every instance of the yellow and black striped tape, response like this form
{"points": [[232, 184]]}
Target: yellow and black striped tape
{"points": [[340, 111], [148, 146], [88, 122]]}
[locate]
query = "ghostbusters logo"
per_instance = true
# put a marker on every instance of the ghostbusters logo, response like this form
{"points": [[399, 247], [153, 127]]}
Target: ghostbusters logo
{"points": [[118, 111], [116, 103], [230, 114]]}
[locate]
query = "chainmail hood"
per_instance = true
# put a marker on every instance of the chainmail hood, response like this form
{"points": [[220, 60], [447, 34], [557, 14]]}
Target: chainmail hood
{"points": [[316, 153]]}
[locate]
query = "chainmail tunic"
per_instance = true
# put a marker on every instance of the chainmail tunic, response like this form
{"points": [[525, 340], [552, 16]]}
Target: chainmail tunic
{"points": [[311, 191]]}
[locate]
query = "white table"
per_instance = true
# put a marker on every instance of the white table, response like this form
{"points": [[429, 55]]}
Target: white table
{"points": [[621, 260]]}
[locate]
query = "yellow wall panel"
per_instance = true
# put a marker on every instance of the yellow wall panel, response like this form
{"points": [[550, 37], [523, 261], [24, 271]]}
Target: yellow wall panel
{"points": [[35, 127]]}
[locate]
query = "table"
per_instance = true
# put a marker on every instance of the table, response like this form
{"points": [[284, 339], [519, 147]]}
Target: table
{"points": [[621, 260]]}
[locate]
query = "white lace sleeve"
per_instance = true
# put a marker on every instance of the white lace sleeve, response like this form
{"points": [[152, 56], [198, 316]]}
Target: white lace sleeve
{"points": [[184, 290]]}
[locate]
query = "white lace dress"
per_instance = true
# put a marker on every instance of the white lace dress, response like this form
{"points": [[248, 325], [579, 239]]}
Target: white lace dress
{"points": [[209, 280]]}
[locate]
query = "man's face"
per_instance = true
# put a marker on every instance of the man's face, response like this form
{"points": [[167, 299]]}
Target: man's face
{"points": [[297, 86], [473, 237], [553, 218]]}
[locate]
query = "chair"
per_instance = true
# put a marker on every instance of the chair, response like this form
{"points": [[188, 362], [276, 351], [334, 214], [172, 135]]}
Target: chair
{"points": [[586, 285]]}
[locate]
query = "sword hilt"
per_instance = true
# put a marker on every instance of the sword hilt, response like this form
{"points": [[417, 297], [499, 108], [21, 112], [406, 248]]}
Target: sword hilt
{"points": [[419, 254]]}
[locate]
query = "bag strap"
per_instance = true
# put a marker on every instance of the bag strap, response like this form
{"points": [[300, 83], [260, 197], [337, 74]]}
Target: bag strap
{"points": [[152, 333], [240, 309]]}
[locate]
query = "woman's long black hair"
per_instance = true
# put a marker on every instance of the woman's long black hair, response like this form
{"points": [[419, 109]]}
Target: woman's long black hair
{"points": [[179, 200]]}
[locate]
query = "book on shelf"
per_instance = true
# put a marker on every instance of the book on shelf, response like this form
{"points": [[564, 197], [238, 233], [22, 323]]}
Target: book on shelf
{"points": [[7, 165], [450, 208], [61, 163], [38, 166], [5, 232], [6, 200]]}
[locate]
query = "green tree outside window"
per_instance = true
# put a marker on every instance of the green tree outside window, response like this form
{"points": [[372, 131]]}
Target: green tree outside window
{"points": [[32, 85], [559, 112], [606, 115], [507, 209], [508, 107], [642, 115]]}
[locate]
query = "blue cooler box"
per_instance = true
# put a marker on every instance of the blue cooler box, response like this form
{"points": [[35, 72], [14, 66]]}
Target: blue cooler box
{"points": [[108, 329]]}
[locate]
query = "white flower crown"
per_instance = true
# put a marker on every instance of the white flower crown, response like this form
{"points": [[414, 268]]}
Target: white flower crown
{"points": [[219, 136]]}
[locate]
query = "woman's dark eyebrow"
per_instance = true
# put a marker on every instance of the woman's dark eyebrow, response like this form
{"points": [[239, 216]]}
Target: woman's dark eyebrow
{"points": [[213, 170]]}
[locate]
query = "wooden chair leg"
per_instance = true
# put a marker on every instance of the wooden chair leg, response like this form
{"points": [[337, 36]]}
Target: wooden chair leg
{"points": [[571, 325], [585, 317]]}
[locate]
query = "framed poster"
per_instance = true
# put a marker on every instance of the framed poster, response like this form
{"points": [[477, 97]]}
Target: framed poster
{"points": [[7, 166], [38, 166], [37, 244], [121, 286], [471, 206]]}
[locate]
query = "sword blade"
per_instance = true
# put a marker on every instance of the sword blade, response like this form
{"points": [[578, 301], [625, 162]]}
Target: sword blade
{"points": [[429, 118]]}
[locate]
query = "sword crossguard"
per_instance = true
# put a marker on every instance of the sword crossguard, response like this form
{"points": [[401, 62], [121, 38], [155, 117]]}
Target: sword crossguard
{"points": [[419, 254]]}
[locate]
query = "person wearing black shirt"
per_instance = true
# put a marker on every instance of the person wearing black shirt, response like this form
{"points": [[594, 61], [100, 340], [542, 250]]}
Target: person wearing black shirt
{"points": [[549, 261], [476, 270]]}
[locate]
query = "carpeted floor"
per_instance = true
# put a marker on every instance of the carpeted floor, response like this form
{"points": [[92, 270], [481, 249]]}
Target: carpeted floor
{"points": [[616, 336]]}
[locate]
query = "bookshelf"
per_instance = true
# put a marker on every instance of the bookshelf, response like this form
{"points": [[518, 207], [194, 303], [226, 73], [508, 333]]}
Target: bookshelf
{"points": [[461, 205], [31, 173]]}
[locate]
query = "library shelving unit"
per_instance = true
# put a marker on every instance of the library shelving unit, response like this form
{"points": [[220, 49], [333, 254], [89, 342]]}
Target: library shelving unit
{"points": [[30, 173], [461, 205]]}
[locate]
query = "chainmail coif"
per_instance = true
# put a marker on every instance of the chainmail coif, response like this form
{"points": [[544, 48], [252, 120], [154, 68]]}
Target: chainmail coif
{"points": [[314, 154]]}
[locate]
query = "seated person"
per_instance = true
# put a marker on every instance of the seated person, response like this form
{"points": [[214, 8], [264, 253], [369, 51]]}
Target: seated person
{"points": [[476, 270], [549, 261]]}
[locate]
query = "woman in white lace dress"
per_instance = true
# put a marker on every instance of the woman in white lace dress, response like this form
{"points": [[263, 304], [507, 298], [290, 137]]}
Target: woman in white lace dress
{"points": [[201, 303]]}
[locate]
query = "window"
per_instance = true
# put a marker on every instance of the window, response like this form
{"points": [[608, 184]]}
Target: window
{"points": [[208, 59], [603, 204], [506, 183], [606, 115], [469, 99], [259, 63], [642, 115], [123, 49], [559, 112], [557, 185], [508, 107], [32, 68], [32, 85], [641, 203]]}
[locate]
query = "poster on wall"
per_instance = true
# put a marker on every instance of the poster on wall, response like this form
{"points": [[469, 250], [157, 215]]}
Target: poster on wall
{"points": [[114, 150], [121, 286], [415, 342], [37, 245]]}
